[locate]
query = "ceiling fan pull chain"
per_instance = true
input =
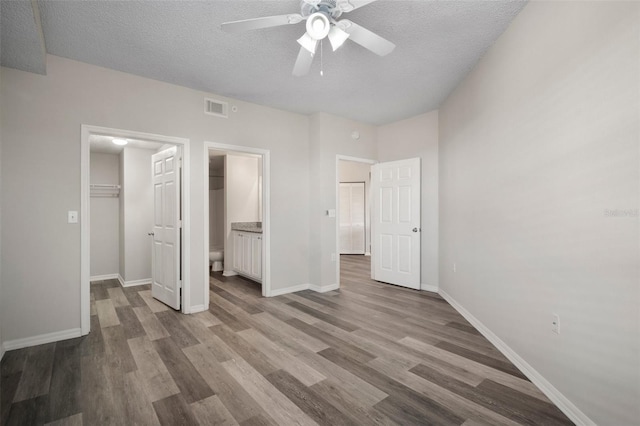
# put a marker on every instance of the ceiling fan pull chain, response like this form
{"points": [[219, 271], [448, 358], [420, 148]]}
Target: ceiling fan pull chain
{"points": [[321, 62]]}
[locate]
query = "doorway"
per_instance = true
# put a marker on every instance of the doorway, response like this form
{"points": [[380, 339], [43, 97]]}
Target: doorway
{"points": [[237, 234], [350, 172], [140, 142]]}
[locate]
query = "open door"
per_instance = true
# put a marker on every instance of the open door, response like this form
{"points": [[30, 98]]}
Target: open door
{"points": [[395, 222], [166, 227]]}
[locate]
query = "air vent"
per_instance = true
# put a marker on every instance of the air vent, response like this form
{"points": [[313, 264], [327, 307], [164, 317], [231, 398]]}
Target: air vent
{"points": [[215, 107]]}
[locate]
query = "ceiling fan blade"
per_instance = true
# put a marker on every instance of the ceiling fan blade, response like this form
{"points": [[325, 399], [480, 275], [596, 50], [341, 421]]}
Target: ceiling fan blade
{"points": [[349, 5], [367, 39], [303, 63], [259, 23]]}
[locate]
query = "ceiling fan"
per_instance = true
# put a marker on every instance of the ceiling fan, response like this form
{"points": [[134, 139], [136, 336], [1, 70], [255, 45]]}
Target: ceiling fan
{"points": [[322, 22]]}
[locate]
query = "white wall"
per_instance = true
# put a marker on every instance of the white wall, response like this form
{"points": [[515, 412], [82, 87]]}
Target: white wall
{"points": [[105, 216], [329, 136], [352, 171], [241, 197], [410, 138], [41, 123], [137, 201], [536, 145]]}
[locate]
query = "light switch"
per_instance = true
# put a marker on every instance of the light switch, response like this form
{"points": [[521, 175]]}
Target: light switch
{"points": [[72, 216], [331, 212]]}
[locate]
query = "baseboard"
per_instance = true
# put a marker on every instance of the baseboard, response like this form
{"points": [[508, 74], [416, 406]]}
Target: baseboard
{"points": [[428, 287], [42, 339], [133, 283], [104, 277], [324, 288], [229, 273], [562, 402], [368, 253], [293, 289]]}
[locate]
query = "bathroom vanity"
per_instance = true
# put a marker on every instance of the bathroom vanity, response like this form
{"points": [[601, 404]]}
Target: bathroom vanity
{"points": [[247, 249]]}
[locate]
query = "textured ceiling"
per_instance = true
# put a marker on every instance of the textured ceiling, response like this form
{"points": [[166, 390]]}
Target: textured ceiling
{"points": [[181, 42], [22, 44]]}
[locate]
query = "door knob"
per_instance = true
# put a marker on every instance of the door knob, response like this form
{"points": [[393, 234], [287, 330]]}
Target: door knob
{"points": [[416, 229], [150, 233]]}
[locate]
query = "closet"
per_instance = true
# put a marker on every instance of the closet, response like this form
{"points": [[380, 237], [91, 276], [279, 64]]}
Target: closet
{"points": [[352, 218]]}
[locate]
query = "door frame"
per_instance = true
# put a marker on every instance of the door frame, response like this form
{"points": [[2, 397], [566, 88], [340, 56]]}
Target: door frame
{"points": [[266, 216], [85, 226], [337, 183]]}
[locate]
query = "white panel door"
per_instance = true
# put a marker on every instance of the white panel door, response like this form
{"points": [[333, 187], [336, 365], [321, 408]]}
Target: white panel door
{"points": [[352, 218], [395, 222], [166, 227]]}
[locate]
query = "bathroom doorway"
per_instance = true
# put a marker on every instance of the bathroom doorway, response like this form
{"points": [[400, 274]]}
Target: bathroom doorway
{"points": [[236, 213]]}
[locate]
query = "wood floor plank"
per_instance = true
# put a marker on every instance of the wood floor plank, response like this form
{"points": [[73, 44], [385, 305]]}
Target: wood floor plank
{"points": [[173, 410], [75, 420], [152, 372], [107, 313], [117, 351], [8, 386], [211, 411], [234, 397], [310, 342], [308, 400], [36, 375], [130, 322], [277, 405], [481, 370], [151, 324], [138, 405], [65, 397], [450, 400], [334, 342], [99, 291], [282, 359], [250, 308], [152, 303], [404, 399], [28, 412], [176, 330], [336, 395], [191, 384], [505, 366], [244, 349], [132, 295], [117, 297]]}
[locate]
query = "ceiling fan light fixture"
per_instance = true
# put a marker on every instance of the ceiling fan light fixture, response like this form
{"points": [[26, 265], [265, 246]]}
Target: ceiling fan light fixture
{"points": [[308, 43], [337, 37], [318, 25], [119, 141]]}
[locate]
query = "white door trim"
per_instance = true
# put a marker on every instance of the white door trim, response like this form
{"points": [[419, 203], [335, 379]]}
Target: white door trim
{"points": [[337, 183], [266, 208], [85, 228]]}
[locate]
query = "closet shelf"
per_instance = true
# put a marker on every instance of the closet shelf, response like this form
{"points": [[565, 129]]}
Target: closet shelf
{"points": [[106, 190]]}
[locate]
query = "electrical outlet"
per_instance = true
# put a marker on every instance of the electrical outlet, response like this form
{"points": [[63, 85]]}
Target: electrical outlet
{"points": [[454, 267], [72, 216], [555, 324]]}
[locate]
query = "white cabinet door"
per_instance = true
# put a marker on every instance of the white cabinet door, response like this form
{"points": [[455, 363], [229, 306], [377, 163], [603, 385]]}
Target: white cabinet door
{"points": [[237, 251], [395, 221], [256, 254], [247, 254]]}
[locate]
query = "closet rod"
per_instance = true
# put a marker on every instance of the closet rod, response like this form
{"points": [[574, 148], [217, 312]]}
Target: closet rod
{"points": [[104, 185]]}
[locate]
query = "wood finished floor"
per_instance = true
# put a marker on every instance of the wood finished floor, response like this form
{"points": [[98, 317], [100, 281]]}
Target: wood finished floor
{"points": [[369, 353]]}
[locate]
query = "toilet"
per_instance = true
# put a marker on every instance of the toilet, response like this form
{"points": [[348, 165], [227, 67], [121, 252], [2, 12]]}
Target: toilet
{"points": [[216, 256]]}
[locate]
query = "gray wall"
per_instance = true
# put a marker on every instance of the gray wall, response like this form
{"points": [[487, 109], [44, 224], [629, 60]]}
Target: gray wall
{"points": [[105, 216], [137, 204], [410, 138], [537, 145], [41, 123]]}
